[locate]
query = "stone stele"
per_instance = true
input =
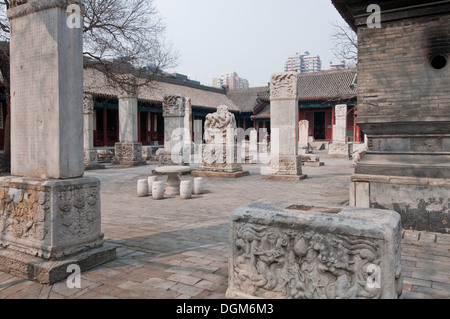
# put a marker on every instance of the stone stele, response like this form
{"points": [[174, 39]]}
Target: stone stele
{"points": [[50, 215], [174, 118], [282, 251], [220, 153]]}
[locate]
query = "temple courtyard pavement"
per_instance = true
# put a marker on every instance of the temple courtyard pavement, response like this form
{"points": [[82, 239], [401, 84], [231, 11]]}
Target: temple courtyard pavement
{"points": [[177, 249]]}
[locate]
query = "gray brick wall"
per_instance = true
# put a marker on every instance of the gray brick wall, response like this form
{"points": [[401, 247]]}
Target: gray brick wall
{"points": [[396, 82]]}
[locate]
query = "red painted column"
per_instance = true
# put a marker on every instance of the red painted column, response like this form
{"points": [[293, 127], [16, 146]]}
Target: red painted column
{"points": [[105, 127]]}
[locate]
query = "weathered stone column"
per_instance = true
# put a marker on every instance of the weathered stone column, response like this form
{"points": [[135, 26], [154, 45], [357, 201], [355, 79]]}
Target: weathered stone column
{"points": [[50, 210], [340, 148], [285, 161], [128, 150], [90, 154], [404, 108], [308, 158], [174, 107], [188, 144], [303, 132]]}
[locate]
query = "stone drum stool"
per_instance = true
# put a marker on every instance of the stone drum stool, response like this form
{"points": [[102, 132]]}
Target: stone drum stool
{"points": [[198, 185], [142, 188], [158, 190], [151, 179], [186, 189]]}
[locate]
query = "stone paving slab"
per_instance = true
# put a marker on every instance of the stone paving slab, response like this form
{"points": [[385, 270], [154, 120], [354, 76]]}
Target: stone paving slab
{"points": [[177, 249]]}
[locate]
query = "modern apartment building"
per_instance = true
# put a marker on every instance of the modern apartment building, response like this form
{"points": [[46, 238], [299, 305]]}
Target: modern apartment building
{"points": [[231, 80], [337, 64], [303, 62]]}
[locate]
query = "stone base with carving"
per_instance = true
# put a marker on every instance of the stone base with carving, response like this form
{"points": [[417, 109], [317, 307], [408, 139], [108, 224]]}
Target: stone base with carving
{"points": [[285, 167], [51, 271], [337, 150], [49, 220], [283, 251], [220, 158], [166, 158], [129, 154], [91, 160]]}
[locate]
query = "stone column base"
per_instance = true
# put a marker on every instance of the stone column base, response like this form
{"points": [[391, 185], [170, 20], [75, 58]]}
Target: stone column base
{"points": [[48, 220], [338, 150], [285, 167], [285, 251], [49, 272], [220, 158], [129, 154], [421, 202], [166, 158], [91, 160]]}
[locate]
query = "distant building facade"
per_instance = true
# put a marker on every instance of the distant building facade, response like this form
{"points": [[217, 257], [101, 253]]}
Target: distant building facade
{"points": [[337, 64], [231, 80], [303, 62]]}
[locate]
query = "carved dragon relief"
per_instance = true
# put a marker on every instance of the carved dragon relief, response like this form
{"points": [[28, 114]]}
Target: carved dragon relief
{"points": [[283, 82], [305, 265], [173, 105]]}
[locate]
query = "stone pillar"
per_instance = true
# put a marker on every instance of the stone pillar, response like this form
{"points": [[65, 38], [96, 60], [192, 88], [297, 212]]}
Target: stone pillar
{"points": [[340, 148], [253, 147], [404, 108], [174, 117], [128, 150], [285, 162], [188, 144], [59, 209], [303, 137], [90, 154]]}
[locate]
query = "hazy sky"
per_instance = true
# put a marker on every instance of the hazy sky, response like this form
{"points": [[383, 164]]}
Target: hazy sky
{"points": [[251, 37]]}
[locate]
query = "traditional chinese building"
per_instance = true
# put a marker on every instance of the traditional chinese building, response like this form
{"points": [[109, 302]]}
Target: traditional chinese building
{"points": [[318, 95]]}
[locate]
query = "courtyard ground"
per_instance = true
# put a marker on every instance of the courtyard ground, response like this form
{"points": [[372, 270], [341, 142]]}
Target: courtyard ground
{"points": [[177, 249]]}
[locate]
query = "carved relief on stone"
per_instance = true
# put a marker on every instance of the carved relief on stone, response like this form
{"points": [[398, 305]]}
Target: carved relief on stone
{"points": [[128, 151], [302, 265], [220, 151], [88, 104], [218, 125], [23, 213], [284, 85], [174, 106], [78, 210], [341, 110]]}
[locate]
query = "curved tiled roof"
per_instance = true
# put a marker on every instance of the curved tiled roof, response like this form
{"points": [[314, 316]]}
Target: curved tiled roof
{"points": [[247, 99], [201, 96], [324, 85]]}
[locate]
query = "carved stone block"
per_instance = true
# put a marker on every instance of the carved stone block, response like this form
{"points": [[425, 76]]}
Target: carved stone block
{"points": [[305, 252], [339, 150], [220, 158], [129, 154], [50, 218]]}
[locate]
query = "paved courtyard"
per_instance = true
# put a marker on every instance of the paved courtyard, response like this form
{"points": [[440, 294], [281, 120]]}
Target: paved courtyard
{"points": [[177, 248]]}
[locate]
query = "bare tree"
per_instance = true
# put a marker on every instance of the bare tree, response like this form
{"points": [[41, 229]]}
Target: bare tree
{"points": [[123, 39], [345, 44]]}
